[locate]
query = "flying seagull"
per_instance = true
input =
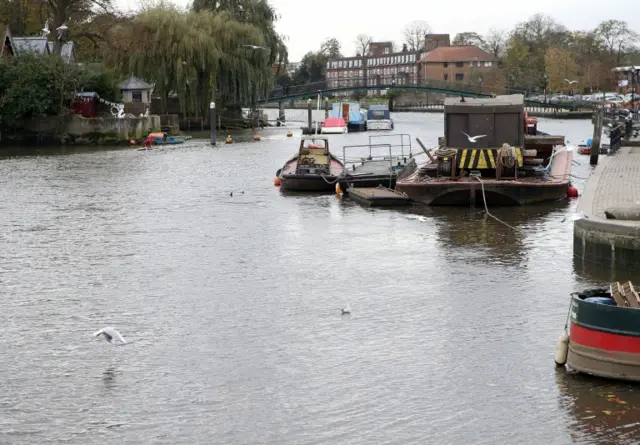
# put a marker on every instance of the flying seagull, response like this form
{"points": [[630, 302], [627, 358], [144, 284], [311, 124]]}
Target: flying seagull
{"points": [[111, 335], [255, 47], [346, 310], [473, 139], [45, 30], [571, 81]]}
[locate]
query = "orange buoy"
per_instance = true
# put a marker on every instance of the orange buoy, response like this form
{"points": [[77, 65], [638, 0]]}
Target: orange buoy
{"points": [[338, 188], [276, 181], [256, 138], [572, 192], [132, 142], [228, 140], [289, 134]]}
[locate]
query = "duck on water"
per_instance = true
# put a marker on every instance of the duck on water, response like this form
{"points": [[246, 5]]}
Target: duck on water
{"points": [[312, 169]]}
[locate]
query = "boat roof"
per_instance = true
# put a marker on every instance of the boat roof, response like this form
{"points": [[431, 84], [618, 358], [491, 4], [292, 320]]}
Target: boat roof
{"points": [[314, 137], [511, 99], [378, 108]]}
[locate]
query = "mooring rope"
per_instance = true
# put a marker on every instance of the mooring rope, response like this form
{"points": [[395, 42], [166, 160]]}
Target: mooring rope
{"points": [[486, 209]]}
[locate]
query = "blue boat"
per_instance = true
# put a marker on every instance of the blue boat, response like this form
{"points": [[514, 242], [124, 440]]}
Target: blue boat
{"points": [[169, 141], [378, 118], [355, 117]]}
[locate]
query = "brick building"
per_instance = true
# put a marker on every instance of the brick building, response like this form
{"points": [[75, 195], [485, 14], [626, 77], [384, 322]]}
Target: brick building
{"points": [[437, 60], [380, 66]]}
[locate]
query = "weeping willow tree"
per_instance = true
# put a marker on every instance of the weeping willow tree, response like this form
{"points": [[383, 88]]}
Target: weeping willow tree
{"points": [[198, 56], [258, 13]]}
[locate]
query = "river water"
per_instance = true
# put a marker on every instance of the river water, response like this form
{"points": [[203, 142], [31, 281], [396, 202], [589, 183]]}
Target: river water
{"points": [[232, 307]]}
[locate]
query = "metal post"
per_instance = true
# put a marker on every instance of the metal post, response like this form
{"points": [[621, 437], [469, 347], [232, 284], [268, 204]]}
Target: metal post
{"points": [[309, 118], [326, 107], [597, 134], [281, 116], [212, 122]]}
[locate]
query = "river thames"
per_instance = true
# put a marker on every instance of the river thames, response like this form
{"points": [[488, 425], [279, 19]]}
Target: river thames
{"points": [[231, 305]]}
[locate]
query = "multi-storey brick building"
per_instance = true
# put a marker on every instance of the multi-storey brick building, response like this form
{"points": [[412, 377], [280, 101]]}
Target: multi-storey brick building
{"points": [[437, 60], [380, 66]]}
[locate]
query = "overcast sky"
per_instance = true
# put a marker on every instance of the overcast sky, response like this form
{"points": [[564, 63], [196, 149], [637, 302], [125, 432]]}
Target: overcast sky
{"points": [[308, 23]]}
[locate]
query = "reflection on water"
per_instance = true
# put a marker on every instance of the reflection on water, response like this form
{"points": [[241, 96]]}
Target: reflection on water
{"points": [[599, 412]]}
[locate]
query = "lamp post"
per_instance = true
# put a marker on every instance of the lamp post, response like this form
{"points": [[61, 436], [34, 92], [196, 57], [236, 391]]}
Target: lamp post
{"points": [[546, 82]]}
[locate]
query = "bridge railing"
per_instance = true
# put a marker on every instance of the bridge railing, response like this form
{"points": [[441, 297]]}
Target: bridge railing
{"points": [[385, 82]]}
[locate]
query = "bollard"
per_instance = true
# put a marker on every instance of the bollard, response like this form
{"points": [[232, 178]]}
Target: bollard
{"points": [[212, 122]]}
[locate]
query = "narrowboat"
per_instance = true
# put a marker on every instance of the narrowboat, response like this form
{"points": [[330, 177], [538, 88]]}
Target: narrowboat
{"points": [[355, 117], [491, 154], [334, 125], [604, 333], [378, 118], [312, 169]]}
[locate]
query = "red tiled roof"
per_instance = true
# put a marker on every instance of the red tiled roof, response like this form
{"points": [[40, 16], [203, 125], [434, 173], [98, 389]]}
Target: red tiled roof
{"points": [[458, 53]]}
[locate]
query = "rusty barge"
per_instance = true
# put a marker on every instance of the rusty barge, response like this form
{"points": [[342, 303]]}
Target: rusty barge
{"points": [[491, 153]]}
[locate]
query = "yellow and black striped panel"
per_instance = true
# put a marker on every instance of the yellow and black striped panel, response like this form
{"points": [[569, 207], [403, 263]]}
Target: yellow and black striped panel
{"points": [[479, 158]]}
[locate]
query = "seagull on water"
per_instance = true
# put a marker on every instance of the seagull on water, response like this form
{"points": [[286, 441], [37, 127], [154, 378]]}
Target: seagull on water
{"points": [[473, 139], [346, 310], [575, 217], [255, 47], [111, 335]]}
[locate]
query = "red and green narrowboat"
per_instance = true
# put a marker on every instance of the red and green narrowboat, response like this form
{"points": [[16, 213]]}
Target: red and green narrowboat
{"points": [[604, 335]]}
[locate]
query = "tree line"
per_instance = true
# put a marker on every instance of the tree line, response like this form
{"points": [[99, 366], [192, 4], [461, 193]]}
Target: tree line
{"points": [[537, 54], [215, 50]]}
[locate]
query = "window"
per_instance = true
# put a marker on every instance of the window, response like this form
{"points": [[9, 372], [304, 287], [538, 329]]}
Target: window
{"points": [[487, 64], [446, 76], [446, 64], [459, 64], [471, 64], [386, 50], [136, 96], [459, 76], [328, 65]]}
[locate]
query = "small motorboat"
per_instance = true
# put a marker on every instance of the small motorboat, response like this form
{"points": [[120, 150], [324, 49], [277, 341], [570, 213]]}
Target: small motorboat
{"points": [[334, 125], [379, 118], [604, 333], [313, 169]]}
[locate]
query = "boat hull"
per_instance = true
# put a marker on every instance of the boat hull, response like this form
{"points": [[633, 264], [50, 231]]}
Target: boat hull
{"points": [[465, 193], [376, 125], [353, 127], [604, 340], [308, 183], [333, 130], [374, 180]]}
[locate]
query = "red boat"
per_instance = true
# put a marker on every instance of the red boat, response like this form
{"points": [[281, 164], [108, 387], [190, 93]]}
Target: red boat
{"points": [[334, 125], [313, 169], [604, 337]]}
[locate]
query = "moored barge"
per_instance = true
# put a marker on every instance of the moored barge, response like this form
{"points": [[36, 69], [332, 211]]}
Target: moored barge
{"points": [[492, 153], [604, 335], [313, 169]]}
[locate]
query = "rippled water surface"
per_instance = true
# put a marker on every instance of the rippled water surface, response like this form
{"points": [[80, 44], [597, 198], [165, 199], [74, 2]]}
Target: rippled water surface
{"points": [[232, 307]]}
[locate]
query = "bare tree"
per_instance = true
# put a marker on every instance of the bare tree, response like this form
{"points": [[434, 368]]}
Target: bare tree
{"points": [[495, 42], [616, 37], [414, 34], [362, 43]]}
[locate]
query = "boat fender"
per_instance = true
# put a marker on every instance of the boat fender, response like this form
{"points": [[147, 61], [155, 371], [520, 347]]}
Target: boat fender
{"points": [[562, 349]]}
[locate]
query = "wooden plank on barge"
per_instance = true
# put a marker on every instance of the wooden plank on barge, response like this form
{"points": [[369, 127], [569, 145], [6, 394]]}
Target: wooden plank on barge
{"points": [[618, 295], [631, 295]]}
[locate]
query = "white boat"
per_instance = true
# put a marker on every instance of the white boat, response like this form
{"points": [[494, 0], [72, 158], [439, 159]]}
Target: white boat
{"points": [[334, 125], [378, 118]]}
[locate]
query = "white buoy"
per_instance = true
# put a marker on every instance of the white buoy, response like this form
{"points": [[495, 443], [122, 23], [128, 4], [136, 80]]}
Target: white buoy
{"points": [[562, 349]]}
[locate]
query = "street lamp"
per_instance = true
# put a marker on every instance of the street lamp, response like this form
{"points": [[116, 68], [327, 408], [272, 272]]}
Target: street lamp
{"points": [[546, 82]]}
